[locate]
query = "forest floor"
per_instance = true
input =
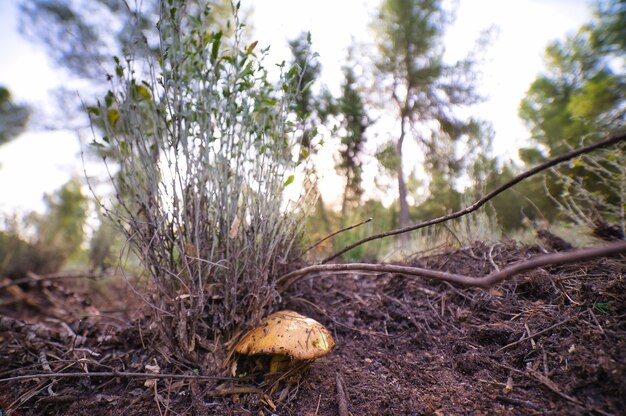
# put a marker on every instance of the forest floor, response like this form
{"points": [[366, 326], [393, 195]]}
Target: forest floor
{"points": [[548, 342]]}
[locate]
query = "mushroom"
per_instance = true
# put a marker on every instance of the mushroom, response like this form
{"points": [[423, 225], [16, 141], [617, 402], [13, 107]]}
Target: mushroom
{"points": [[286, 336]]}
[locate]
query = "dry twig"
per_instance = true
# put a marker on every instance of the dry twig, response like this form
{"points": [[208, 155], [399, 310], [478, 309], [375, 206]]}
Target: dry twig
{"points": [[531, 336], [116, 374], [342, 396]]}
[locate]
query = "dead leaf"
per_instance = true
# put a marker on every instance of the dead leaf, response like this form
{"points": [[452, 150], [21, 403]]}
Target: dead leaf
{"points": [[234, 228]]}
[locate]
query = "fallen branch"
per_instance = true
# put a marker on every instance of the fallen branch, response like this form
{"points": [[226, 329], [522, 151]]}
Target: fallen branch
{"points": [[116, 374], [553, 259], [527, 174]]}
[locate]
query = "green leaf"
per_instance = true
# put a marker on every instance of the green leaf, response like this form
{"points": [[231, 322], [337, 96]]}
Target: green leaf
{"points": [[142, 92], [216, 46], [109, 98], [288, 181], [93, 110], [113, 115], [251, 47]]}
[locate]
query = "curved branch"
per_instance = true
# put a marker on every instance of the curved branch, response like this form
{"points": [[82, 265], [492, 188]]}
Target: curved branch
{"points": [[524, 175], [553, 259]]}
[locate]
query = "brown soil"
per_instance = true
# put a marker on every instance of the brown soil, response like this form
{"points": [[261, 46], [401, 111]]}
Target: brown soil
{"points": [[551, 341]]}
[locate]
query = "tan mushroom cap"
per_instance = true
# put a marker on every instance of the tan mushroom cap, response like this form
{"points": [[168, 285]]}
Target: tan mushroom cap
{"points": [[287, 333]]}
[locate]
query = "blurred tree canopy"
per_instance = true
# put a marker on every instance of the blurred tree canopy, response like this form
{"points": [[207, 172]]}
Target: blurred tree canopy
{"points": [[583, 89], [424, 90], [304, 62], [581, 94], [349, 121], [82, 37], [354, 123], [13, 117], [42, 243]]}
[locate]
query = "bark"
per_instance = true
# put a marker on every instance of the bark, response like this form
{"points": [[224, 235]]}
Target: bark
{"points": [[402, 192], [345, 200]]}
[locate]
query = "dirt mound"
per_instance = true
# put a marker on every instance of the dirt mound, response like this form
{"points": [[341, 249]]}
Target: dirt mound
{"points": [[551, 341]]}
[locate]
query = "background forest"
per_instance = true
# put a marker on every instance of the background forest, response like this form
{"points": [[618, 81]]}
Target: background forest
{"points": [[403, 91]]}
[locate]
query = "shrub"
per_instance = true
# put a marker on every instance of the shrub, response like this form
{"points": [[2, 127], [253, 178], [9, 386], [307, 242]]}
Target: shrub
{"points": [[205, 147]]}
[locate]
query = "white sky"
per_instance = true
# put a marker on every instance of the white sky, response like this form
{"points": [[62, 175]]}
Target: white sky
{"points": [[39, 162]]}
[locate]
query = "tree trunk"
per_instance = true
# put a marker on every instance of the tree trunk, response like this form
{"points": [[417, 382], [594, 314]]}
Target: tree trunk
{"points": [[344, 202], [402, 192]]}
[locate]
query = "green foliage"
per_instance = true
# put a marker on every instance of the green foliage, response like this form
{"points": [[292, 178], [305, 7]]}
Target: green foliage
{"points": [[42, 243], [383, 219], [305, 64], [81, 37], [513, 208], [425, 90], [595, 198], [575, 98], [579, 98], [582, 90], [609, 30], [13, 117], [442, 199], [62, 225], [388, 157], [304, 71]]}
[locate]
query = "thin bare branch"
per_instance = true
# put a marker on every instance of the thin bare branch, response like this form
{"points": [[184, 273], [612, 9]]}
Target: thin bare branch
{"points": [[527, 174], [553, 259], [317, 243], [342, 396]]}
